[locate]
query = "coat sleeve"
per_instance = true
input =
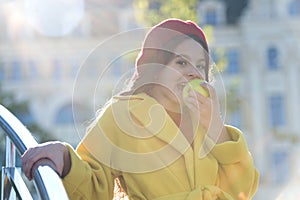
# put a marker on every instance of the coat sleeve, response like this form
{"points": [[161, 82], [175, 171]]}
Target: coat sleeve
{"points": [[237, 173], [90, 176]]}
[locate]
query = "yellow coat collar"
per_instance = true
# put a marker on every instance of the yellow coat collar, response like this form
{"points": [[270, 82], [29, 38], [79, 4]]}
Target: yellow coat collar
{"points": [[152, 116]]}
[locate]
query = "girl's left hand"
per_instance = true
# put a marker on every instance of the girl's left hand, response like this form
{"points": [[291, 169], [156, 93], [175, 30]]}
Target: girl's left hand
{"points": [[205, 110]]}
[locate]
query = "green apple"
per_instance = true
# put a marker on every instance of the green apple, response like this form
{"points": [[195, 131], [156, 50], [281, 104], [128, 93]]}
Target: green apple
{"points": [[194, 85]]}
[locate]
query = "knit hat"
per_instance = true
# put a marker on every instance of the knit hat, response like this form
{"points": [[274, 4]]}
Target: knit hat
{"points": [[162, 33]]}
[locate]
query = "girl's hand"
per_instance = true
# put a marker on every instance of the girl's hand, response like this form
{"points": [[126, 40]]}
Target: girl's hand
{"points": [[205, 110], [54, 154]]}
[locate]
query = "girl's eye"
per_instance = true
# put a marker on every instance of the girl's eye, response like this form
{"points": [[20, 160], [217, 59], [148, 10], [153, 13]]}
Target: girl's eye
{"points": [[181, 62], [200, 67]]}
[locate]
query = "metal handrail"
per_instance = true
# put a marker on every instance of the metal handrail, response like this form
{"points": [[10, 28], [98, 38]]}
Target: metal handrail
{"points": [[47, 182]]}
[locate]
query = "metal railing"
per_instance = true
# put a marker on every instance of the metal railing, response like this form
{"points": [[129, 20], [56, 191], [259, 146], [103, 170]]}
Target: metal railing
{"points": [[47, 183]]}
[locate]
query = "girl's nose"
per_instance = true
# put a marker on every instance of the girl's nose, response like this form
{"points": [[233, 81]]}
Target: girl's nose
{"points": [[194, 73]]}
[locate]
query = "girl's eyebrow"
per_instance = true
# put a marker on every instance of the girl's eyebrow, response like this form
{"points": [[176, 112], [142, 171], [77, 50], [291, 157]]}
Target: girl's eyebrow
{"points": [[187, 57], [182, 55]]}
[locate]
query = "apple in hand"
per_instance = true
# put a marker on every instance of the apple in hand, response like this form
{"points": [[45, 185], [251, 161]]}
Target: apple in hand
{"points": [[194, 85]]}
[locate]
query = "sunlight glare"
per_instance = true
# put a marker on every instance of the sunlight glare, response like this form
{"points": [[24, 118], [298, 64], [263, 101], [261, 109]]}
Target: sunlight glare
{"points": [[54, 17]]}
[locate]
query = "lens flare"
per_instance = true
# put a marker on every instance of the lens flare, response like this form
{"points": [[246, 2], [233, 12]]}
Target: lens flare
{"points": [[54, 18]]}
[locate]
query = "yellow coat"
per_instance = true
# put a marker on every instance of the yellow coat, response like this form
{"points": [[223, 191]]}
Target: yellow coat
{"points": [[136, 140]]}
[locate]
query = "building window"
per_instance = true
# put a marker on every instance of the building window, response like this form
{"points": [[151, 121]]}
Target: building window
{"points": [[57, 70], [64, 115], [276, 111], [233, 62], [280, 166], [16, 74], [69, 114], [211, 17], [33, 70], [74, 68], [26, 118], [273, 58], [116, 67], [213, 55], [2, 74], [2, 71], [78, 32], [235, 118], [294, 8], [219, 58]]}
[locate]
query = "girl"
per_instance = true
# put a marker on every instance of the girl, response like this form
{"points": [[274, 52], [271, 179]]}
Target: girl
{"points": [[155, 142]]}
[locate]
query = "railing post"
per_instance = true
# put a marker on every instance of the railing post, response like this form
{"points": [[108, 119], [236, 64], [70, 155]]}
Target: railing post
{"points": [[10, 160], [2, 183]]}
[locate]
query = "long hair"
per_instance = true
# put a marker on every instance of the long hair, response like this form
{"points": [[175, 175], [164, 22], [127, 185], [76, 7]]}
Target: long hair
{"points": [[145, 81]]}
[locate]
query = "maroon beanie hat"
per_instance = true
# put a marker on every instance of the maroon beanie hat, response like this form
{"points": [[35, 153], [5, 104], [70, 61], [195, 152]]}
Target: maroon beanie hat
{"points": [[162, 33]]}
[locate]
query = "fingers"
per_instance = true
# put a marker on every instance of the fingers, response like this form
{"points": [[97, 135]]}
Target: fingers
{"points": [[42, 162], [204, 108], [51, 151], [28, 160], [195, 100], [210, 88]]}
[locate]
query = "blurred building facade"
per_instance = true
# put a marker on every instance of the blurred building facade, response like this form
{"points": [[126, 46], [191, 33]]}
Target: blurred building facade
{"points": [[262, 69], [261, 49], [41, 61]]}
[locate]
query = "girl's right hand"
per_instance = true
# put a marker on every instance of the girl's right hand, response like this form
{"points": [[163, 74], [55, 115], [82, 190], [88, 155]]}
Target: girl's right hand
{"points": [[54, 154]]}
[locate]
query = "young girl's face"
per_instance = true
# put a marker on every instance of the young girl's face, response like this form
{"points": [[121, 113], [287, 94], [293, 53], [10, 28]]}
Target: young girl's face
{"points": [[189, 62]]}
